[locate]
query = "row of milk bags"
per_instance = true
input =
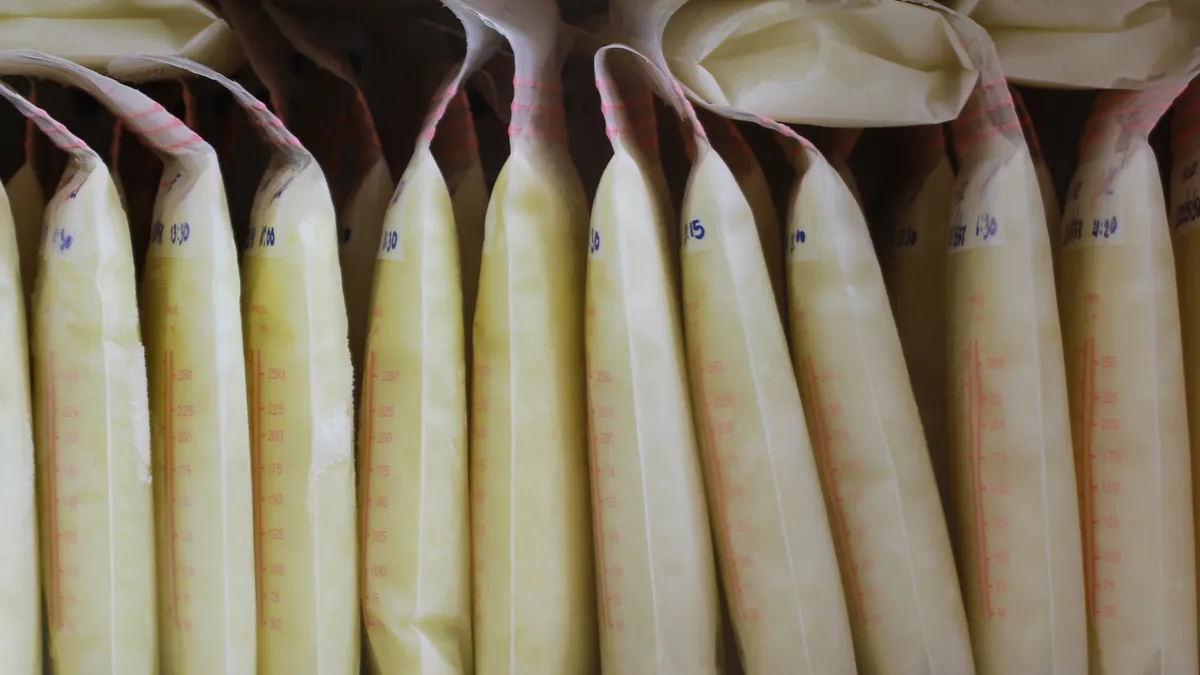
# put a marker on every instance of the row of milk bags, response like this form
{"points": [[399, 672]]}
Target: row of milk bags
{"points": [[675, 401]]}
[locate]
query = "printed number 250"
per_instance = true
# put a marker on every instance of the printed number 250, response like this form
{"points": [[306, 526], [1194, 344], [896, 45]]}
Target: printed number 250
{"points": [[693, 230]]}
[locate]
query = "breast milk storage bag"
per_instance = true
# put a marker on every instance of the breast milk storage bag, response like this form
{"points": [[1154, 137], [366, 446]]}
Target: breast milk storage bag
{"points": [[298, 379], [20, 602], [1121, 337], [412, 440], [92, 430], [1010, 444], [534, 609], [914, 270], [200, 439], [656, 582], [896, 562], [778, 566], [1184, 217]]}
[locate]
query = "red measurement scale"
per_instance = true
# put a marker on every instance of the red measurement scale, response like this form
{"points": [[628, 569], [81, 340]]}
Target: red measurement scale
{"points": [[602, 434], [62, 435], [267, 419], [985, 478], [717, 401], [832, 439], [1099, 457], [376, 479], [177, 434]]}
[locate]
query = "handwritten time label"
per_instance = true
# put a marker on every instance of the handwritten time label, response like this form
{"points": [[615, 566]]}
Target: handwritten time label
{"points": [[267, 235], [175, 240], [391, 243], [800, 245], [697, 235], [981, 229], [1091, 218], [594, 249], [1100, 231]]}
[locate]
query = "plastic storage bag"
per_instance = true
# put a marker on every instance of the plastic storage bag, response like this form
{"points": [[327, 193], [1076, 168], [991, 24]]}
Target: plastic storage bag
{"points": [[93, 33], [92, 424], [534, 609], [299, 383], [20, 587], [1010, 445], [839, 63], [414, 514], [1121, 336], [656, 582], [1091, 44], [897, 565], [914, 269], [200, 436]]}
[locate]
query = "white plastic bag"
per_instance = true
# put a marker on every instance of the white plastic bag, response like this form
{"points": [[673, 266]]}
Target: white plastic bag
{"points": [[534, 608], [1020, 561], [656, 582], [887, 520], [414, 504], [1121, 336]]}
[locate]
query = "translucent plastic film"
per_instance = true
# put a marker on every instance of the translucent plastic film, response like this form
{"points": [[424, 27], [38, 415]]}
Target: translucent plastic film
{"points": [[1121, 336], [412, 441], [897, 567], [656, 578], [534, 603], [1020, 560]]}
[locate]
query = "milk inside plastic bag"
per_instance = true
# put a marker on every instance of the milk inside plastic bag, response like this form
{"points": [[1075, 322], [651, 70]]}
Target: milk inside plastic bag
{"points": [[1121, 336], [1015, 509], [655, 574], [414, 498], [894, 551], [92, 425], [534, 602]]}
